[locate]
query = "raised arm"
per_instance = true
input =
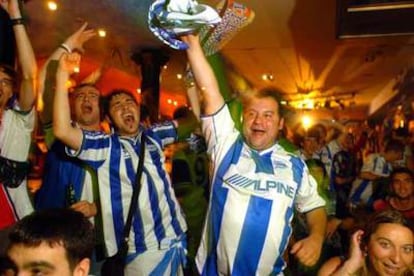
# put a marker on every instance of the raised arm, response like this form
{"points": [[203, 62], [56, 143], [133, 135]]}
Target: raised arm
{"points": [[47, 73], [204, 75], [62, 127], [25, 54]]}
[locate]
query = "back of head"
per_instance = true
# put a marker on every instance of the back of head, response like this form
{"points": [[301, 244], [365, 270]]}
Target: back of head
{"points": [[65, 227], [394, 145]]}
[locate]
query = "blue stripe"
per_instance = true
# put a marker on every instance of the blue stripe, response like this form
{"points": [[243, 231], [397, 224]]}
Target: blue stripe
{"points": [[375, 164], [218, 199], [115, 187], [297, 166], [356, 197], [93, 143], [154, 202], [263, 162], [280, 263], [255, 226], [137, 221], [155, 156]]}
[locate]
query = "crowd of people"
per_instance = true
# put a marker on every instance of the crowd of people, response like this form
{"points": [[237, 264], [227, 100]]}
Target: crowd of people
{"points": [[323, 202]]}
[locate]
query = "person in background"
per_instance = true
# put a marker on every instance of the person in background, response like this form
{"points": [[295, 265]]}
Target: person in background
{"points": [[309, 144], [255, 185], [66, 181], [332, 243], [17, 122], [369, 185], [52, 242], [385, 246], [401, 196]]}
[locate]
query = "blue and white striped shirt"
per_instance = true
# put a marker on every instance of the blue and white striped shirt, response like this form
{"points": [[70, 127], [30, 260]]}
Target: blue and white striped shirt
{"points": [[251, 203], [158, 218]]}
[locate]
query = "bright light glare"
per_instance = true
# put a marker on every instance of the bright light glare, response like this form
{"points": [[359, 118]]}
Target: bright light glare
{"points": [[101, 32], [306, 122], [52, 5]]}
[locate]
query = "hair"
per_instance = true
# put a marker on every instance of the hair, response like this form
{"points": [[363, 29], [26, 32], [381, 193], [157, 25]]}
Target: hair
{"points": [[394, 145], [399, 170], [7, 69], [107, 100], [65, 227], [386, 216], [268, 92]]}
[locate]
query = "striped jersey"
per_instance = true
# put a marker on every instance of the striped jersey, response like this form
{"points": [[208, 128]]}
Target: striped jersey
{"points": [[362, 189], [158, 218], [253, 196]]}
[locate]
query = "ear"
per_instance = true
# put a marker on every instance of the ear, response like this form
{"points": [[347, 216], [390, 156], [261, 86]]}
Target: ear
{"points": [[82, 268], [108, 118], [281, 123]]}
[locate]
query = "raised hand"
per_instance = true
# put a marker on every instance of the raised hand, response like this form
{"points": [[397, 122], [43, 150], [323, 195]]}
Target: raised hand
{"points": [[11, 7], [356, 253], [78, 38], [68, 63]]}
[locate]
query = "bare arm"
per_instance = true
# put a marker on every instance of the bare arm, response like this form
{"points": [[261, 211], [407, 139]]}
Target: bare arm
{"points": [[204, 75], [352, 265], [369, 176], [62, 127], [46, 84], [308, 250], [26, 57]]}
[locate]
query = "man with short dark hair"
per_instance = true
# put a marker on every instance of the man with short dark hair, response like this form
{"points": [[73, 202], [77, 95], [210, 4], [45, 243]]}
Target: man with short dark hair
{"points": [[157, 237], [52, 242]]}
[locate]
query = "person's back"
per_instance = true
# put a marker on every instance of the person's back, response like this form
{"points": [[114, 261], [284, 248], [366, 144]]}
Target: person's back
{"points": [[377, 166]]}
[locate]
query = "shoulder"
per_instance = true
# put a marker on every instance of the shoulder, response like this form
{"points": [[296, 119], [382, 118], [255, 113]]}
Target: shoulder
{"points": [[330, 266]]}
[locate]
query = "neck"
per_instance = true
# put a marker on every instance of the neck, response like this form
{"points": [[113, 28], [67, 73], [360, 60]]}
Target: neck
{"points": [[403, 203], [94, 127]]}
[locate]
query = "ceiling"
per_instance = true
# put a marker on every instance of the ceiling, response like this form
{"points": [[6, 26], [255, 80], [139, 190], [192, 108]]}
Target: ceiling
{"points": [[294, 41]]}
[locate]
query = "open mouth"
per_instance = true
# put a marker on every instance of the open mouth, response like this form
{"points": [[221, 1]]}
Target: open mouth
{"points": [[86, 109], [128, 119]]}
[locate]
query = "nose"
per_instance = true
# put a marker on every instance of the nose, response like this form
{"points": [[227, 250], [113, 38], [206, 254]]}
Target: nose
{"points": [[257, 119], [395, 256]]}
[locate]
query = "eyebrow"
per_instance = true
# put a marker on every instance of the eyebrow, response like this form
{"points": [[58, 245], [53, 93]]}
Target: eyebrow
{"points": [[41, 264]]}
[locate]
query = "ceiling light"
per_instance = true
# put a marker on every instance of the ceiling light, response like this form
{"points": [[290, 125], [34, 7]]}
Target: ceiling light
{"points": [[52, 5], [139, 90], [306, 122], [76, 69], [179, 76], [268, 77], [102, 32], [169, 101]]}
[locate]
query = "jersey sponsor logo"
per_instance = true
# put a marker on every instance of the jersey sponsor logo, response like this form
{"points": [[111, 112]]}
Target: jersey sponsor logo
{"points": [[258, 185], [279, 165]]}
